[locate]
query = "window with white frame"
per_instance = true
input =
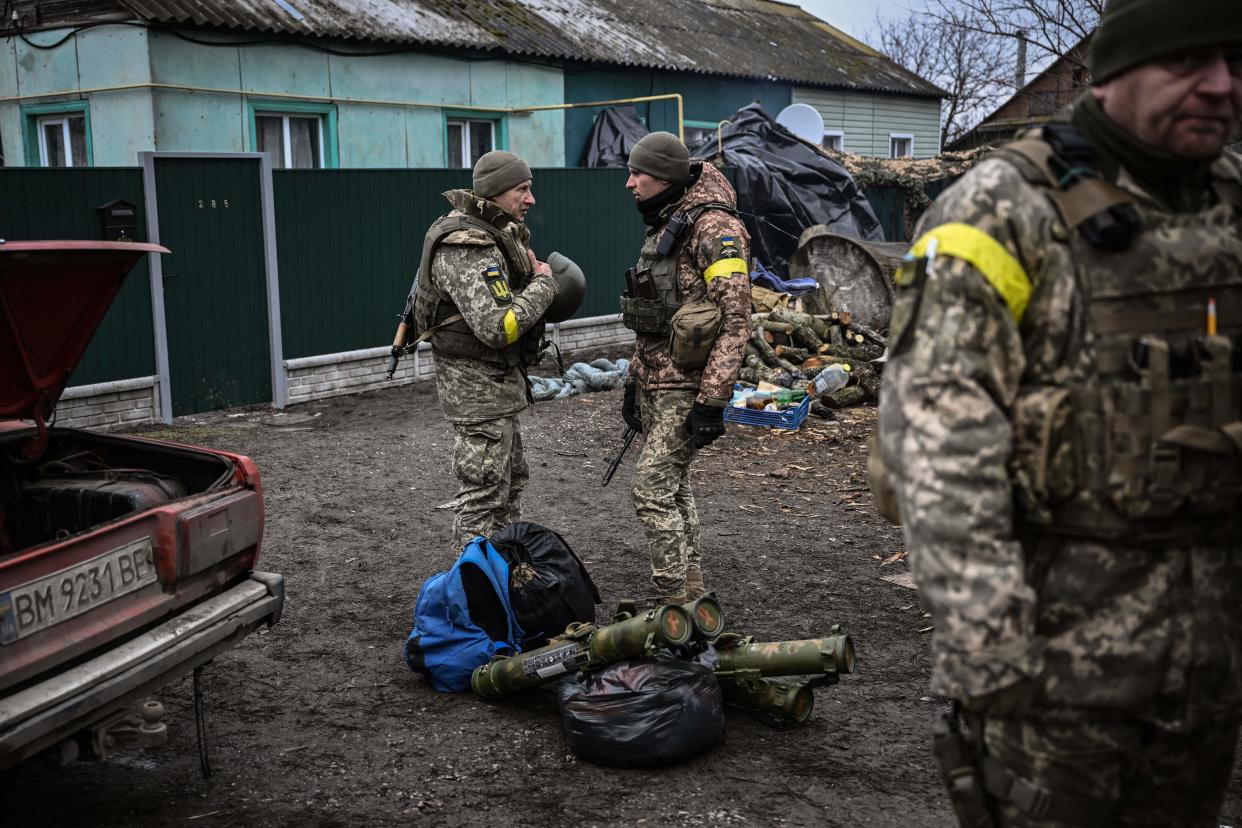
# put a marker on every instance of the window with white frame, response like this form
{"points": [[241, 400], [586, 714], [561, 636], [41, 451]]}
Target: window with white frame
{"points": [[900, 146], [294, 139], [834, 139], [469, 140], [62, 140]]}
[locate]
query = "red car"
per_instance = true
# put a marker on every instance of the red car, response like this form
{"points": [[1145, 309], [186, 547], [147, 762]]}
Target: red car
{"points": [[124, 562]]}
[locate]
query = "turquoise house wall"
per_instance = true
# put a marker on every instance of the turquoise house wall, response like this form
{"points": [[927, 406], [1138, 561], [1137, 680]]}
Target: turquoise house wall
{"points": [[706, 99], [121, 122], [392, 133]]}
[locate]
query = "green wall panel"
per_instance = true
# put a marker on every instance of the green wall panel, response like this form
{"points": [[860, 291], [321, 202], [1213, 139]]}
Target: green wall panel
{"points": [[215, 294], [705, 99], [589, 216], [348, 243], [42, 204]]}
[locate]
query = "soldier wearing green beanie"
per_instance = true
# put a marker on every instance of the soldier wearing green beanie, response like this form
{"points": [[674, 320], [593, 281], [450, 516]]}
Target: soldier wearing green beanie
{"points": [[480, 299], [688, 303], [1063, 368]]}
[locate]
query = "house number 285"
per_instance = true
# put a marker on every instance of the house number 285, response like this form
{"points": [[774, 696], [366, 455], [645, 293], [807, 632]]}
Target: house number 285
{"points": [[213, 203]]}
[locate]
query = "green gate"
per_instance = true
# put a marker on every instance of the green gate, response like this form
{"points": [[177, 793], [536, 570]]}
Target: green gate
{"points": [[211, 216]]}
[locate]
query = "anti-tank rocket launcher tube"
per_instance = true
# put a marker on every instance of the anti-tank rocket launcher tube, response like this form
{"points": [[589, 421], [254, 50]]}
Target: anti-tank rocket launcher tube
{"points": [[584, 647], [829, 656], [745, 668]]}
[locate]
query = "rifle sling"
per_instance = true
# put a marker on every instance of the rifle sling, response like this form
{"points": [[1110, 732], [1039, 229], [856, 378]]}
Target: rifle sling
{"points": [[427, 334]]}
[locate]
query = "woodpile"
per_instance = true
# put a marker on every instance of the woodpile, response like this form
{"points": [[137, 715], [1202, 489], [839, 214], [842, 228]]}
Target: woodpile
{"points": [[789, 348]]}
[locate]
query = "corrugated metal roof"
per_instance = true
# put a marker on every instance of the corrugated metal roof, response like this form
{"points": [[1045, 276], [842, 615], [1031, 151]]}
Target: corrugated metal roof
{"points": [[740, 38]]}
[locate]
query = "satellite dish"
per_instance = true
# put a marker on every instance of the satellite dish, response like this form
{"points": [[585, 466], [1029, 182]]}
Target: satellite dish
{"points": [[804, 121]]}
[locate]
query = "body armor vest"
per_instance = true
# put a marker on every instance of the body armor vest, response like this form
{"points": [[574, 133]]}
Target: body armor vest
{"points": [[434, 307], [656, 289], [1144, 442]]}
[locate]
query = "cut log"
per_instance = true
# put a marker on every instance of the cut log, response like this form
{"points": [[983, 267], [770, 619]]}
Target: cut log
{"points": [[790, 353], [844, 397], [768, 355], [866, 378]]}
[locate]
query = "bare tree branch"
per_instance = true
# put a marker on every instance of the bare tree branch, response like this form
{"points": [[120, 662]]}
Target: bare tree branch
{"points": [[974, 67]]}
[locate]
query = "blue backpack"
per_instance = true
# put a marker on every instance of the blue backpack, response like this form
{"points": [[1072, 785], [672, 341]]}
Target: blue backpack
{"points": [[462, 618]]}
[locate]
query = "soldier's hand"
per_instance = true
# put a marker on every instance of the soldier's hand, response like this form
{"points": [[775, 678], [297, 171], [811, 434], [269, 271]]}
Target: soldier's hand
{"points": [[705, 423], [541, 268], [629, 408]]}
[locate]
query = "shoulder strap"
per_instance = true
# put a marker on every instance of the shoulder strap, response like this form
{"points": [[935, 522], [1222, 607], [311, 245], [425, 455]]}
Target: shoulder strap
{"points": [[1059, 160], [694, 212]]}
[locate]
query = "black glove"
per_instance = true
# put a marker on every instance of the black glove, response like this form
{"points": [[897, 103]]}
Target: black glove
{"points": [[705, 423], [629, 408]]}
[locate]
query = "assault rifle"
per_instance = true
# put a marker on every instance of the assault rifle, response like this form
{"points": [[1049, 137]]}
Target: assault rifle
{"points": [[615, 463], [399, 345]]}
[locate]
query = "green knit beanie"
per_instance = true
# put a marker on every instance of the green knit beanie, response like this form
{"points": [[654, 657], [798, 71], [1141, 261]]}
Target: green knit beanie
{"points": [[1133, 32], [662, 155], [498, 171]]}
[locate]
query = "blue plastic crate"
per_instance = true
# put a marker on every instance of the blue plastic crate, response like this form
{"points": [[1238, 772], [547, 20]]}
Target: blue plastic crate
{"points": [[789, 419]]}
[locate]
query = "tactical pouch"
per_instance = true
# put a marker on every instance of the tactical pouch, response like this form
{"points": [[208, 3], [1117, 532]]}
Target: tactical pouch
{"points": [[960, 773], [694, 329], [1043, 464], [648, 317]]}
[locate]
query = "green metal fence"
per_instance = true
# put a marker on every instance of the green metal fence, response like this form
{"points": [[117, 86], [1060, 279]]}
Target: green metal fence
{"points": [[348, 244], [37, 204]]}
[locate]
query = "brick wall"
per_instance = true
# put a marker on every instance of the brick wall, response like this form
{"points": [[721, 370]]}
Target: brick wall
{"points": [[109, 405], [331, 375], [133, 402]]}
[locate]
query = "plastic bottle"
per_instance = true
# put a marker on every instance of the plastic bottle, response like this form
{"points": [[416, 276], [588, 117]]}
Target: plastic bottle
{"points": [[786, 395], [832, 378]]}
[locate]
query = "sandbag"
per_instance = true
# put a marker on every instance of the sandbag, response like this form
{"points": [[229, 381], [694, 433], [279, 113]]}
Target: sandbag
{"points": [[549, 588], [642, 712]]}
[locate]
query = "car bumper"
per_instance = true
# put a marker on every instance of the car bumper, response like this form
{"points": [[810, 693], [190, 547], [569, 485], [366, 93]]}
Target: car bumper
{"points": [[39, 716]]}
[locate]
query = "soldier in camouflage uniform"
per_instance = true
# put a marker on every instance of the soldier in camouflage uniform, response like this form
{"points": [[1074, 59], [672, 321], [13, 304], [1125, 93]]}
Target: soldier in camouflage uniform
{"points": [[1061, 427], [689, 304], [480, 297]]}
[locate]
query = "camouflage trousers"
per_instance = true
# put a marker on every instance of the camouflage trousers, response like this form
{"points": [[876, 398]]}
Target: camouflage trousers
{"points": [[491, 473], [661, 492], [1148, 776]]}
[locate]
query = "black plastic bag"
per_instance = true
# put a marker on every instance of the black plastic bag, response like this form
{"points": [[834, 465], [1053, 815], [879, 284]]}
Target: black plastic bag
{"points": [[642, 712], [549, 588], [789, 184], [616, 131]]}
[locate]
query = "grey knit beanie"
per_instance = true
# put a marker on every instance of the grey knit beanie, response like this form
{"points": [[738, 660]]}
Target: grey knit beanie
{"points": [[498, 171], [661, 154], [1134, 32]]}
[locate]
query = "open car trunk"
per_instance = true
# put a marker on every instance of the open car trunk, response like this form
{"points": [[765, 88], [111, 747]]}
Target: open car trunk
{"points": [[83, 481]]}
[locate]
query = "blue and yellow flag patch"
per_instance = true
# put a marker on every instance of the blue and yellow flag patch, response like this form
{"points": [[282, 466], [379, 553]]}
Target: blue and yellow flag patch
{"points": [[498, 285], [728, 260]]}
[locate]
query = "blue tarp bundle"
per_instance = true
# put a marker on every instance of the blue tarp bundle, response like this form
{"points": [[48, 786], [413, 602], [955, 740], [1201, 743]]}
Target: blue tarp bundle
{"points": [[599, 375]]}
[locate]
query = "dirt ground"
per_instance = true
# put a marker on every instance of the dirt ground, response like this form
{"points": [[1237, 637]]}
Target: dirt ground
{"points": [[319, 722]]}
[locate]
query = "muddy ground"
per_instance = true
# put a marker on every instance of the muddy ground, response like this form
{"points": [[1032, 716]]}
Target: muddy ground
{"points": [[319, 722]]}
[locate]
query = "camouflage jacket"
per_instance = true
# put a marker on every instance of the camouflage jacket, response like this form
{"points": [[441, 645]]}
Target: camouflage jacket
{"points": [[701, 246], [464, 267], [1151, 630]]}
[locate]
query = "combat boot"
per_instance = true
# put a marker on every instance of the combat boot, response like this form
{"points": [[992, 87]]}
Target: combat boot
{"points": [[695, 588]]}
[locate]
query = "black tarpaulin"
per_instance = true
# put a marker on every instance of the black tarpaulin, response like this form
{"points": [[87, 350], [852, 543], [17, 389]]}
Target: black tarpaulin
{"points": [[790, 185], [616, 131]]}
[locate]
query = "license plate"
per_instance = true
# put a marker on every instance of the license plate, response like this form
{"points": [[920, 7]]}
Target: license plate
{"points": [[37, 605]]}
